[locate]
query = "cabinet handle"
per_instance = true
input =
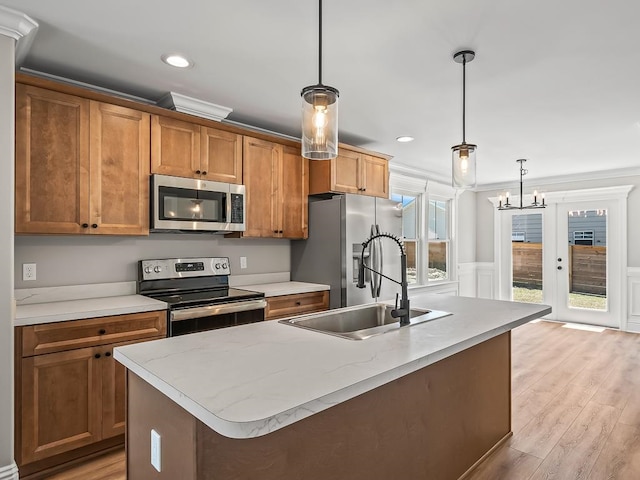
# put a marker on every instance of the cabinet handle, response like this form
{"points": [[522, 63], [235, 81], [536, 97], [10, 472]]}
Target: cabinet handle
{"points": [[94, 225], [204, 172], [97, 355], [108, 354], [364, 189], [85, 225], [198, 172], [280, 231], [298, 304], [275, 231], [102, 331]]}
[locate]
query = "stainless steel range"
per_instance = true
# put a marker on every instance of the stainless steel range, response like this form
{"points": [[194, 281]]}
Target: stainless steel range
{"points": [[198, 294]]}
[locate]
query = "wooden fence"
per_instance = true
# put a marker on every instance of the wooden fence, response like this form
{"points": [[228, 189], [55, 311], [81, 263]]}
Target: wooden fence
{"points": [[587, 267]]}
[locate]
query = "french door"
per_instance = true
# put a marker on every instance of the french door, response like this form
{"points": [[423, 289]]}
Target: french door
{"points": [[569, 256]]}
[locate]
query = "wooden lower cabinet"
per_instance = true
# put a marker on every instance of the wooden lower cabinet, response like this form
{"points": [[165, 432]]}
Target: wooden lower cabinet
{"points": [[71, 402], [297, 304]]}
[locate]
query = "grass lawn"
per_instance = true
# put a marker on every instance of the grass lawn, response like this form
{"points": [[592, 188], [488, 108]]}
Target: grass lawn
{"points": [[576, 300]]}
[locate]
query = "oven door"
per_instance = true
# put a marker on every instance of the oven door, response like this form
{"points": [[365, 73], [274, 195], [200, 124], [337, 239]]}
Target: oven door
{"points": [[211, 317]]}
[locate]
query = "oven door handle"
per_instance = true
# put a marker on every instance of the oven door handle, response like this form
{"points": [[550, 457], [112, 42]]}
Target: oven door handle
{"points": [[221, 309]]}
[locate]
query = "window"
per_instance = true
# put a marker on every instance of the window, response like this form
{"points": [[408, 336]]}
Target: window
{"points": [[408, 206], [438, 240]]}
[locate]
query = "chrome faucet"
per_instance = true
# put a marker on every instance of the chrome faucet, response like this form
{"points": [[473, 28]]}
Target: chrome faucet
{"points": [[403, 311]]}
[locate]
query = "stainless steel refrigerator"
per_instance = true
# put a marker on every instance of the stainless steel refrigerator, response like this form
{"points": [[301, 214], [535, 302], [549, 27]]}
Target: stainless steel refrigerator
{"points": [[337, 228]]}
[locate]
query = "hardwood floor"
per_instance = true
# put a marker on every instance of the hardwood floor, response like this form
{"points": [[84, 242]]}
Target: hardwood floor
{"points": [[575, 408], [575, 412]]}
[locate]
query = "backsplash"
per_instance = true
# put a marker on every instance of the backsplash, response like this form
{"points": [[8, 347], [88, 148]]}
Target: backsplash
{"points": [[78, 260]]}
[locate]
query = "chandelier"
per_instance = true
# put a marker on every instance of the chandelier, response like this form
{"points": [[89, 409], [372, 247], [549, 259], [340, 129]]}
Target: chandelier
{"points": [[509, 206]]}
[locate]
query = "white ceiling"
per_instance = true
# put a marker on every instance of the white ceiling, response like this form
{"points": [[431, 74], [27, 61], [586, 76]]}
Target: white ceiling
{"points": [[554, 81]]}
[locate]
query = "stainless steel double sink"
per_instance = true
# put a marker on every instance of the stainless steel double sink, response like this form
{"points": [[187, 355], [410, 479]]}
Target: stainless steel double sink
{"points": [[360, 322]]}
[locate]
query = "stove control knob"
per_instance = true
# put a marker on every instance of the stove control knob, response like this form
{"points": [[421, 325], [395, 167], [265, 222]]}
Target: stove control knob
{"points": [[147, 270], [157, 269], [217, 266], [224, 266]]}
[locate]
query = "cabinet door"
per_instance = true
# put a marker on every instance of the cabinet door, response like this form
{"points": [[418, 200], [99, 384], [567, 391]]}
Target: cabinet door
{"points": [[294, 194], [61, 402], [375, 176], [346, 175], [175, 147], [119, 156], [261, 173], [52, 161], [221, 155], [114, 391]]}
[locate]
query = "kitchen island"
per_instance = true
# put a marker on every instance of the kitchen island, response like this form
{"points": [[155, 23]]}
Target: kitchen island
{"points": [[272, 401]]}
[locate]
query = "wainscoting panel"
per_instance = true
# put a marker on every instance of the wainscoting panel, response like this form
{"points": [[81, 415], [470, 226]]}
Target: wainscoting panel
{"points": [[467, 279], [485, 280], [633, 289]]}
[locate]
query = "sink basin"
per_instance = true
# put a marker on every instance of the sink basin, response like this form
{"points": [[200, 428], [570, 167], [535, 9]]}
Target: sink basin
{"points": [[360, 322]]}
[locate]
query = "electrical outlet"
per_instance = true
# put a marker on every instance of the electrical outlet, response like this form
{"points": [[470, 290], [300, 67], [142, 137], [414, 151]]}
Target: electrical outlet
{"points": [[155, 450], [243, 262], [28, 271]]}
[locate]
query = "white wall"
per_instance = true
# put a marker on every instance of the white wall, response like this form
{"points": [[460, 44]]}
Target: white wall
{"points": [[485, 213], [77, 260], [467, 225], [7, 303]]}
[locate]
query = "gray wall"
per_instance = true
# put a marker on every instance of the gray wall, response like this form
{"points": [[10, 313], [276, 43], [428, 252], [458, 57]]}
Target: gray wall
{"points": [[530, 225], [76, 260], [485, 211]]}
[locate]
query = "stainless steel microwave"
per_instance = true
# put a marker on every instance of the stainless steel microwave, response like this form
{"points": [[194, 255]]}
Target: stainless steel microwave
{"points": [[188, 204]]}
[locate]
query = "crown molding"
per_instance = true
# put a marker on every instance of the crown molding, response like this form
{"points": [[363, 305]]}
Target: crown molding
{"points": [[574, 177], [619, 192], [21, 28], [193, 106], [414, 172]]}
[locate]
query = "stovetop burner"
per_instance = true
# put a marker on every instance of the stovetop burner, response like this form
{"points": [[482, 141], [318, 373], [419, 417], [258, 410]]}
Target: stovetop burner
{"points": [[206, 297]]}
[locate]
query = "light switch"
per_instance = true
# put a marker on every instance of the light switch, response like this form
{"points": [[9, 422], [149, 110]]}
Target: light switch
{"points": [[243, 262]]}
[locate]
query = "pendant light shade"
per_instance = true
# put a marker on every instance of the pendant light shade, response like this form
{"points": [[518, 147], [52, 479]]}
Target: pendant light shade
{"points": [[464, 155], [319, 114]]}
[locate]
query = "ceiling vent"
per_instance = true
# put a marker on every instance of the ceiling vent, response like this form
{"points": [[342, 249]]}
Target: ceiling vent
{"points": [[193, 106]]}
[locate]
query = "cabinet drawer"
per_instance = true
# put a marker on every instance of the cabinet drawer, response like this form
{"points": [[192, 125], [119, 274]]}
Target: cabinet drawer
{"points": [[288, 305], [60, 336]]}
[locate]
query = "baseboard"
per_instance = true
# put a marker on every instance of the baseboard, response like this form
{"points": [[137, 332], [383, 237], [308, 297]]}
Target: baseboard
{"points": [[633, 327], [485, 456], [9, 472]]}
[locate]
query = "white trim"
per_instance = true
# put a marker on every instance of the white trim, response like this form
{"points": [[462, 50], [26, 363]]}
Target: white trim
{"points": [[9, 472], [467, 286], [193, 106], [486, 280], [410, 184], [411, 171], [619, 192], [21, 28], [574, 177], [441, 190], [633, 290]]}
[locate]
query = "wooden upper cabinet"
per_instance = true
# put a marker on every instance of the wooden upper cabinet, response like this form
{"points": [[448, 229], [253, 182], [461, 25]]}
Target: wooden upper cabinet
{"points": [[81, 166], [294, 190], [276, 181], [350, 172], [261, 169], [119, 153], [375, 176], [52, 161], [221, 155], [175, 147], [185, 149]]}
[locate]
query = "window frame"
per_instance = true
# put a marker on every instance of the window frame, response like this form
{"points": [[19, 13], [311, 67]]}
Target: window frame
{"points": [[449, 261]]}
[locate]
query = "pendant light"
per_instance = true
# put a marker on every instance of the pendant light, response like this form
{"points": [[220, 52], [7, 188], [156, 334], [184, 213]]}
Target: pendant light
{"points": [[464, 155], [319, 114], [509, 206]]}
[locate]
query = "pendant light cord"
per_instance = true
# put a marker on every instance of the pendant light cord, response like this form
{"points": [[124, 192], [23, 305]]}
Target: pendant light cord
{"points": [[464, 90], [320, 44]]}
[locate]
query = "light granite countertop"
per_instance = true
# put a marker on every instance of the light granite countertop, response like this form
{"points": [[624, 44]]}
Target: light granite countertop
{"points": [[48, 312], [251, 380], [285, 288]]}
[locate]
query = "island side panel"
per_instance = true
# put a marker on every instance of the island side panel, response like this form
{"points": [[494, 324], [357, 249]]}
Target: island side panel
{"points": [[148, 409], [434, 423]]}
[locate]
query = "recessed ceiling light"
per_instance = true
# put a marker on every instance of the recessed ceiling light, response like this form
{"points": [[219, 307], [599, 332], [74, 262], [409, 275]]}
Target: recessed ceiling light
{"points": [[404, 139], [177, 60]]}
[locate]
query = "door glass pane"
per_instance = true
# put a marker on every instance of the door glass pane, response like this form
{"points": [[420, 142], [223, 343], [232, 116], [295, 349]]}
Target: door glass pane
{"points": [[407, 209], [526, 257], [587, 262]]}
